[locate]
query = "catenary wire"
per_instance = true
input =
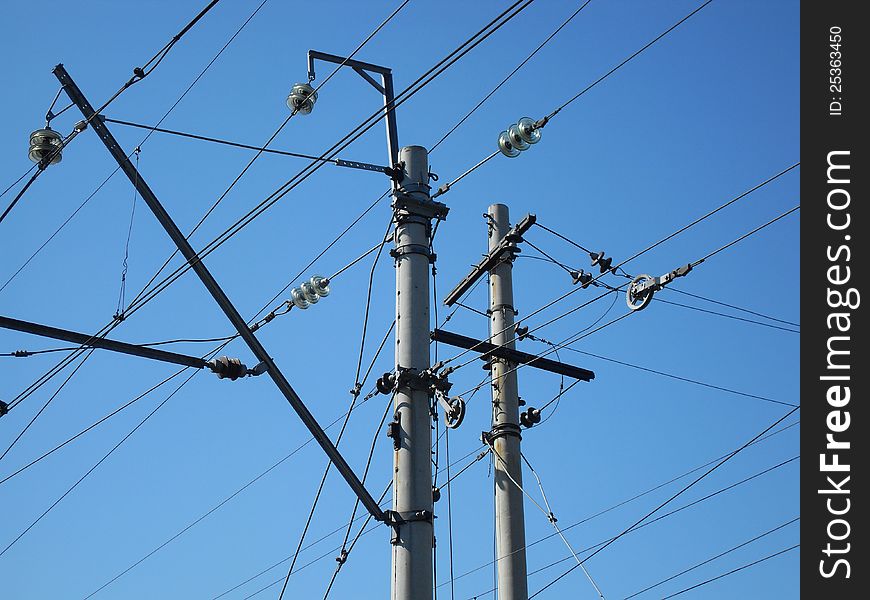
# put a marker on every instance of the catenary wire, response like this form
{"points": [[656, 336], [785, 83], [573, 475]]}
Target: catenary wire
{"points": [[355, 393], [746, 235], [326, 554], [712, 558], [115, 322], [96, 465]]}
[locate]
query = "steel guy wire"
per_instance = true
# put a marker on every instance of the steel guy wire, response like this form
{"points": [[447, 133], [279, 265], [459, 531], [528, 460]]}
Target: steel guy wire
{"points": [[647, 523], [269, 141], [732, 571], [552, 518], [446, 188], [547, 512], [712, 558], [650, 247], [367, 124], [509, 75], [645, 493], [559, 235]]}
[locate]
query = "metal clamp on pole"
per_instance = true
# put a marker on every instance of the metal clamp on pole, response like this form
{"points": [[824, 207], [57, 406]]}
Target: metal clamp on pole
{"points": [[396, 519], [640, 292]]}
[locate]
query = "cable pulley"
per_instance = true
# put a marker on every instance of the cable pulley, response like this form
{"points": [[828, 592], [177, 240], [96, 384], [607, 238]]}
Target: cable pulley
{"points": [[454, 409], [641, 289]]}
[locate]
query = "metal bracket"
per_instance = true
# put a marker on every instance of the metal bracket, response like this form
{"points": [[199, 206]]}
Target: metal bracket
{"points": [[640, 292], [430, 209], [4, 408], [396, 519]]}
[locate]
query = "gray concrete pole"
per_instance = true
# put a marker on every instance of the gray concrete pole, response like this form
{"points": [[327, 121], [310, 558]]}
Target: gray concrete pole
{"points": [[412, 540], [509, 518]]}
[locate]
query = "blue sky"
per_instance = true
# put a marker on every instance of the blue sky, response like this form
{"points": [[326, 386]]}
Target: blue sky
{"points": [[705, 114]]}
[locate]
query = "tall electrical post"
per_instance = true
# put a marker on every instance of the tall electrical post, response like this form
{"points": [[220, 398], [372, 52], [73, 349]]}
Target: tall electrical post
{"points": [[505, 434], [412, 514]]}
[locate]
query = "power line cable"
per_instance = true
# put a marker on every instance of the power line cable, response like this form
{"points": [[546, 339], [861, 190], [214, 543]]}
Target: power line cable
{"points": [[139, 73], [732, 571], [712, 558], [98, 463], [727, 316], [746, 235], [260, 151], [509, 75], [680, 378], [671, 498], [546, 119], [647, 523], [648, 491], [732, 306], [367, 124], [44, 406]]}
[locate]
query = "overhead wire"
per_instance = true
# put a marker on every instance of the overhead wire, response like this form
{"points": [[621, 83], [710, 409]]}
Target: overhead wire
{"points": [[357, 132], [676, 495], [727, 316], [333, 532], [712, 558], [650, 247], [732, 306], [139, 73], [661, 517], [552, 114], [158, 57], [509, 75], [732, 571], [355, 394]]}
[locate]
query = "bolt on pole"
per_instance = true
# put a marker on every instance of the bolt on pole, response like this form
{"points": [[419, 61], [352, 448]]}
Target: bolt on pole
{"points": [[505, 434], [413, 532]]}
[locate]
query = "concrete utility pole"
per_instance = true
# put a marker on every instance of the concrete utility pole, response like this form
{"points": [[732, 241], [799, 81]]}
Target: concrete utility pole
{"points": [[505, 434], [411, 517]]}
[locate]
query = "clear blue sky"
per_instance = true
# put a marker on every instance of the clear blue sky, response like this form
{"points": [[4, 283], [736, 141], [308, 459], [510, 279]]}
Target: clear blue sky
{"points": [[705, 114]]}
